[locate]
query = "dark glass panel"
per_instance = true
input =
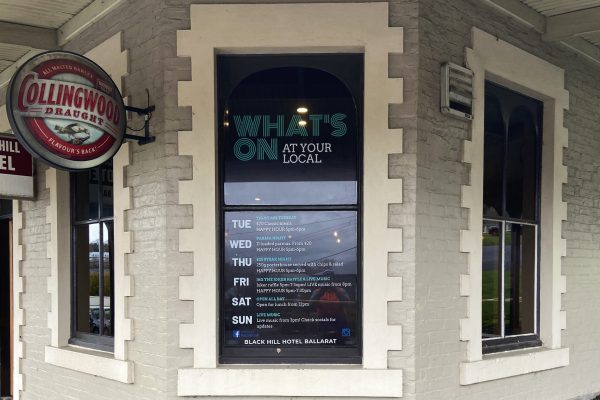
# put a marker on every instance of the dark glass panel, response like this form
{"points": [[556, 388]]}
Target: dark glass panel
{"points": [[290, 278], [491, 279], [86, 194], [87, 285], [106, 180], [493, 156], [521, 171], [5, 208], [519, 279], [290, 137]]}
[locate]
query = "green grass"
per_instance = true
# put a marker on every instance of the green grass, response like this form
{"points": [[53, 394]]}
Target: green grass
{"points": [[95, 283], [490, 284], [489, 309], [494, 240], [490, 240]]}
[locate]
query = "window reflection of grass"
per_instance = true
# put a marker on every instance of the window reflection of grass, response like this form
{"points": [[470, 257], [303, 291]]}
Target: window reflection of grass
{"points": [[490, 240], [494, 240], [95, 283], [490, 305]]}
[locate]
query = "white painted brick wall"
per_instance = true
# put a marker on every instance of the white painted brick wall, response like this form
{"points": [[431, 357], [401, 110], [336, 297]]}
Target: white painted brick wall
{"points": [[444, 29], [150, 37], [430, 214]]}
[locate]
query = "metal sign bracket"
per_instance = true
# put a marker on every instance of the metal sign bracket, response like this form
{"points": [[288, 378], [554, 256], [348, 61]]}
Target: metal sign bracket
{"points": [[147, 113]]}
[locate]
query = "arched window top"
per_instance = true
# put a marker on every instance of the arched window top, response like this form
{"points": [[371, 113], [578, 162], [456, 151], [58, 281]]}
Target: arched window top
{"points": [[289, 83], [289, 151], [290, 135]]}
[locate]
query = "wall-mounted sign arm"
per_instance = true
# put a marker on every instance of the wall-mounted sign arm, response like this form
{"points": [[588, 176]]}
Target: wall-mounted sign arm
{"points": [[147, 113]]}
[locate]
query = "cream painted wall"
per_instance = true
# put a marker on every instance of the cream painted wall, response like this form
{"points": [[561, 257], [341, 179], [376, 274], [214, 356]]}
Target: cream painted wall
{"points": [[111, 366], [297, 28], [498, 61], [4, 124]]}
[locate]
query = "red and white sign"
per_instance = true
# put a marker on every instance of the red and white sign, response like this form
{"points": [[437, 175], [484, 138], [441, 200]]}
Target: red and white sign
{"points": [[66, 110], [16, 169]]}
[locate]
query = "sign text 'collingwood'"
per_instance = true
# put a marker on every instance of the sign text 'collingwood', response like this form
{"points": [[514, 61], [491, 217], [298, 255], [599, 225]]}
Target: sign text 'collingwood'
{"points": [[66, 110]]}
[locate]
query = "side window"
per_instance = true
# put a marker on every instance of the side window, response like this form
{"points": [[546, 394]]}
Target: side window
{"points": [[92, 245], [511, 215], [289, 135]]}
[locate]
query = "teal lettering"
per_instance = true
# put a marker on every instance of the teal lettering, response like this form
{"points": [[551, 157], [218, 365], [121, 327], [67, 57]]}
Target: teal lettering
{"points": [[294, 128], [238, 149], [340, 128], [316, 123], [247, 125], [265, 149], [268, 125]]}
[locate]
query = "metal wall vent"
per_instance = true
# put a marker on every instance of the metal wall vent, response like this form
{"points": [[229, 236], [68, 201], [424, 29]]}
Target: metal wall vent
{"points": [[457, 91]]}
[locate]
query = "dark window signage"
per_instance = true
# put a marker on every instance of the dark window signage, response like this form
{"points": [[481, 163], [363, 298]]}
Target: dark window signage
{"points": [[16, 169], [66, 110], [292, 278], [289, 136]]}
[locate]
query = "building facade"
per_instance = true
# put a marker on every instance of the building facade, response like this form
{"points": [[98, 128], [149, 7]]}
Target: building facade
{"points": [[473, 258]]}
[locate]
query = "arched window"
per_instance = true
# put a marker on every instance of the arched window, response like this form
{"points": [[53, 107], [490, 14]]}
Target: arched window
{"points": [[512, 146], [289, 136]]}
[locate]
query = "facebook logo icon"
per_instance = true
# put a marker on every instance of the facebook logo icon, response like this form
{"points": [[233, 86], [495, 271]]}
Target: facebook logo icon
{"points": [[345, 332], [236, 334]]}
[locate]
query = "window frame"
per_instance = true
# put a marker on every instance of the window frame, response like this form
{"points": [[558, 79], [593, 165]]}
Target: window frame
{"points": [[115, 365], [490, 57], [296, 31], [354, 81], [94, 341], [519, 341]]}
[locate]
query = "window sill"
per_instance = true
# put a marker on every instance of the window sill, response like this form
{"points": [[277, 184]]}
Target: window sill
{"points": [[512, 363], [91, 362], [255, 380]]}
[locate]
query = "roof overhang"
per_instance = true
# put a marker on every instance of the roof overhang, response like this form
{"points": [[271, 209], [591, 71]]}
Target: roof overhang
{"points": [[21, 41], [576, 28]]}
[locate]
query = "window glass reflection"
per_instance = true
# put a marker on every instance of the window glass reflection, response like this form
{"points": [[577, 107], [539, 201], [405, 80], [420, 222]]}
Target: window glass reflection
{"points": [[106, 181], [87, 261], [493, 158], [512, 143], [521, 174], [519, 278], [92, 250], [107, 284], [86, 193], [491, 283]]}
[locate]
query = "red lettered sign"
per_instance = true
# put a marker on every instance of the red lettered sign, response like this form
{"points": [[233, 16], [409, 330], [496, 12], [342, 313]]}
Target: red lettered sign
{"points": [[66, 110], [16, 169]]}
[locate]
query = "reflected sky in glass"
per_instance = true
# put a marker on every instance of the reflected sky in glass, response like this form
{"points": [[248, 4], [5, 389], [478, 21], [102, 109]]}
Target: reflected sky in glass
{"points": [[285, 193]]}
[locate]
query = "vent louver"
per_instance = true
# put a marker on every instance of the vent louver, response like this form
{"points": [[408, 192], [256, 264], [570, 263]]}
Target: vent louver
{"points": [[457, 91]]}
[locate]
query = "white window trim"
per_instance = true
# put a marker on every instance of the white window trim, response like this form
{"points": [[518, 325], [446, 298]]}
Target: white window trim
{"points": [[500, 62], [291, 28], [114, 365]]}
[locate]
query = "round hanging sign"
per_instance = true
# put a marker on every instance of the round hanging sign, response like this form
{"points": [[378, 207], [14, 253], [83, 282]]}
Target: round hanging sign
{"points": [[66, 110]]}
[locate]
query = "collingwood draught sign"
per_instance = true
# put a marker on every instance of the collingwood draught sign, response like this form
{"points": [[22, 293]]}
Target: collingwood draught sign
{"points": [[66, 110]]}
